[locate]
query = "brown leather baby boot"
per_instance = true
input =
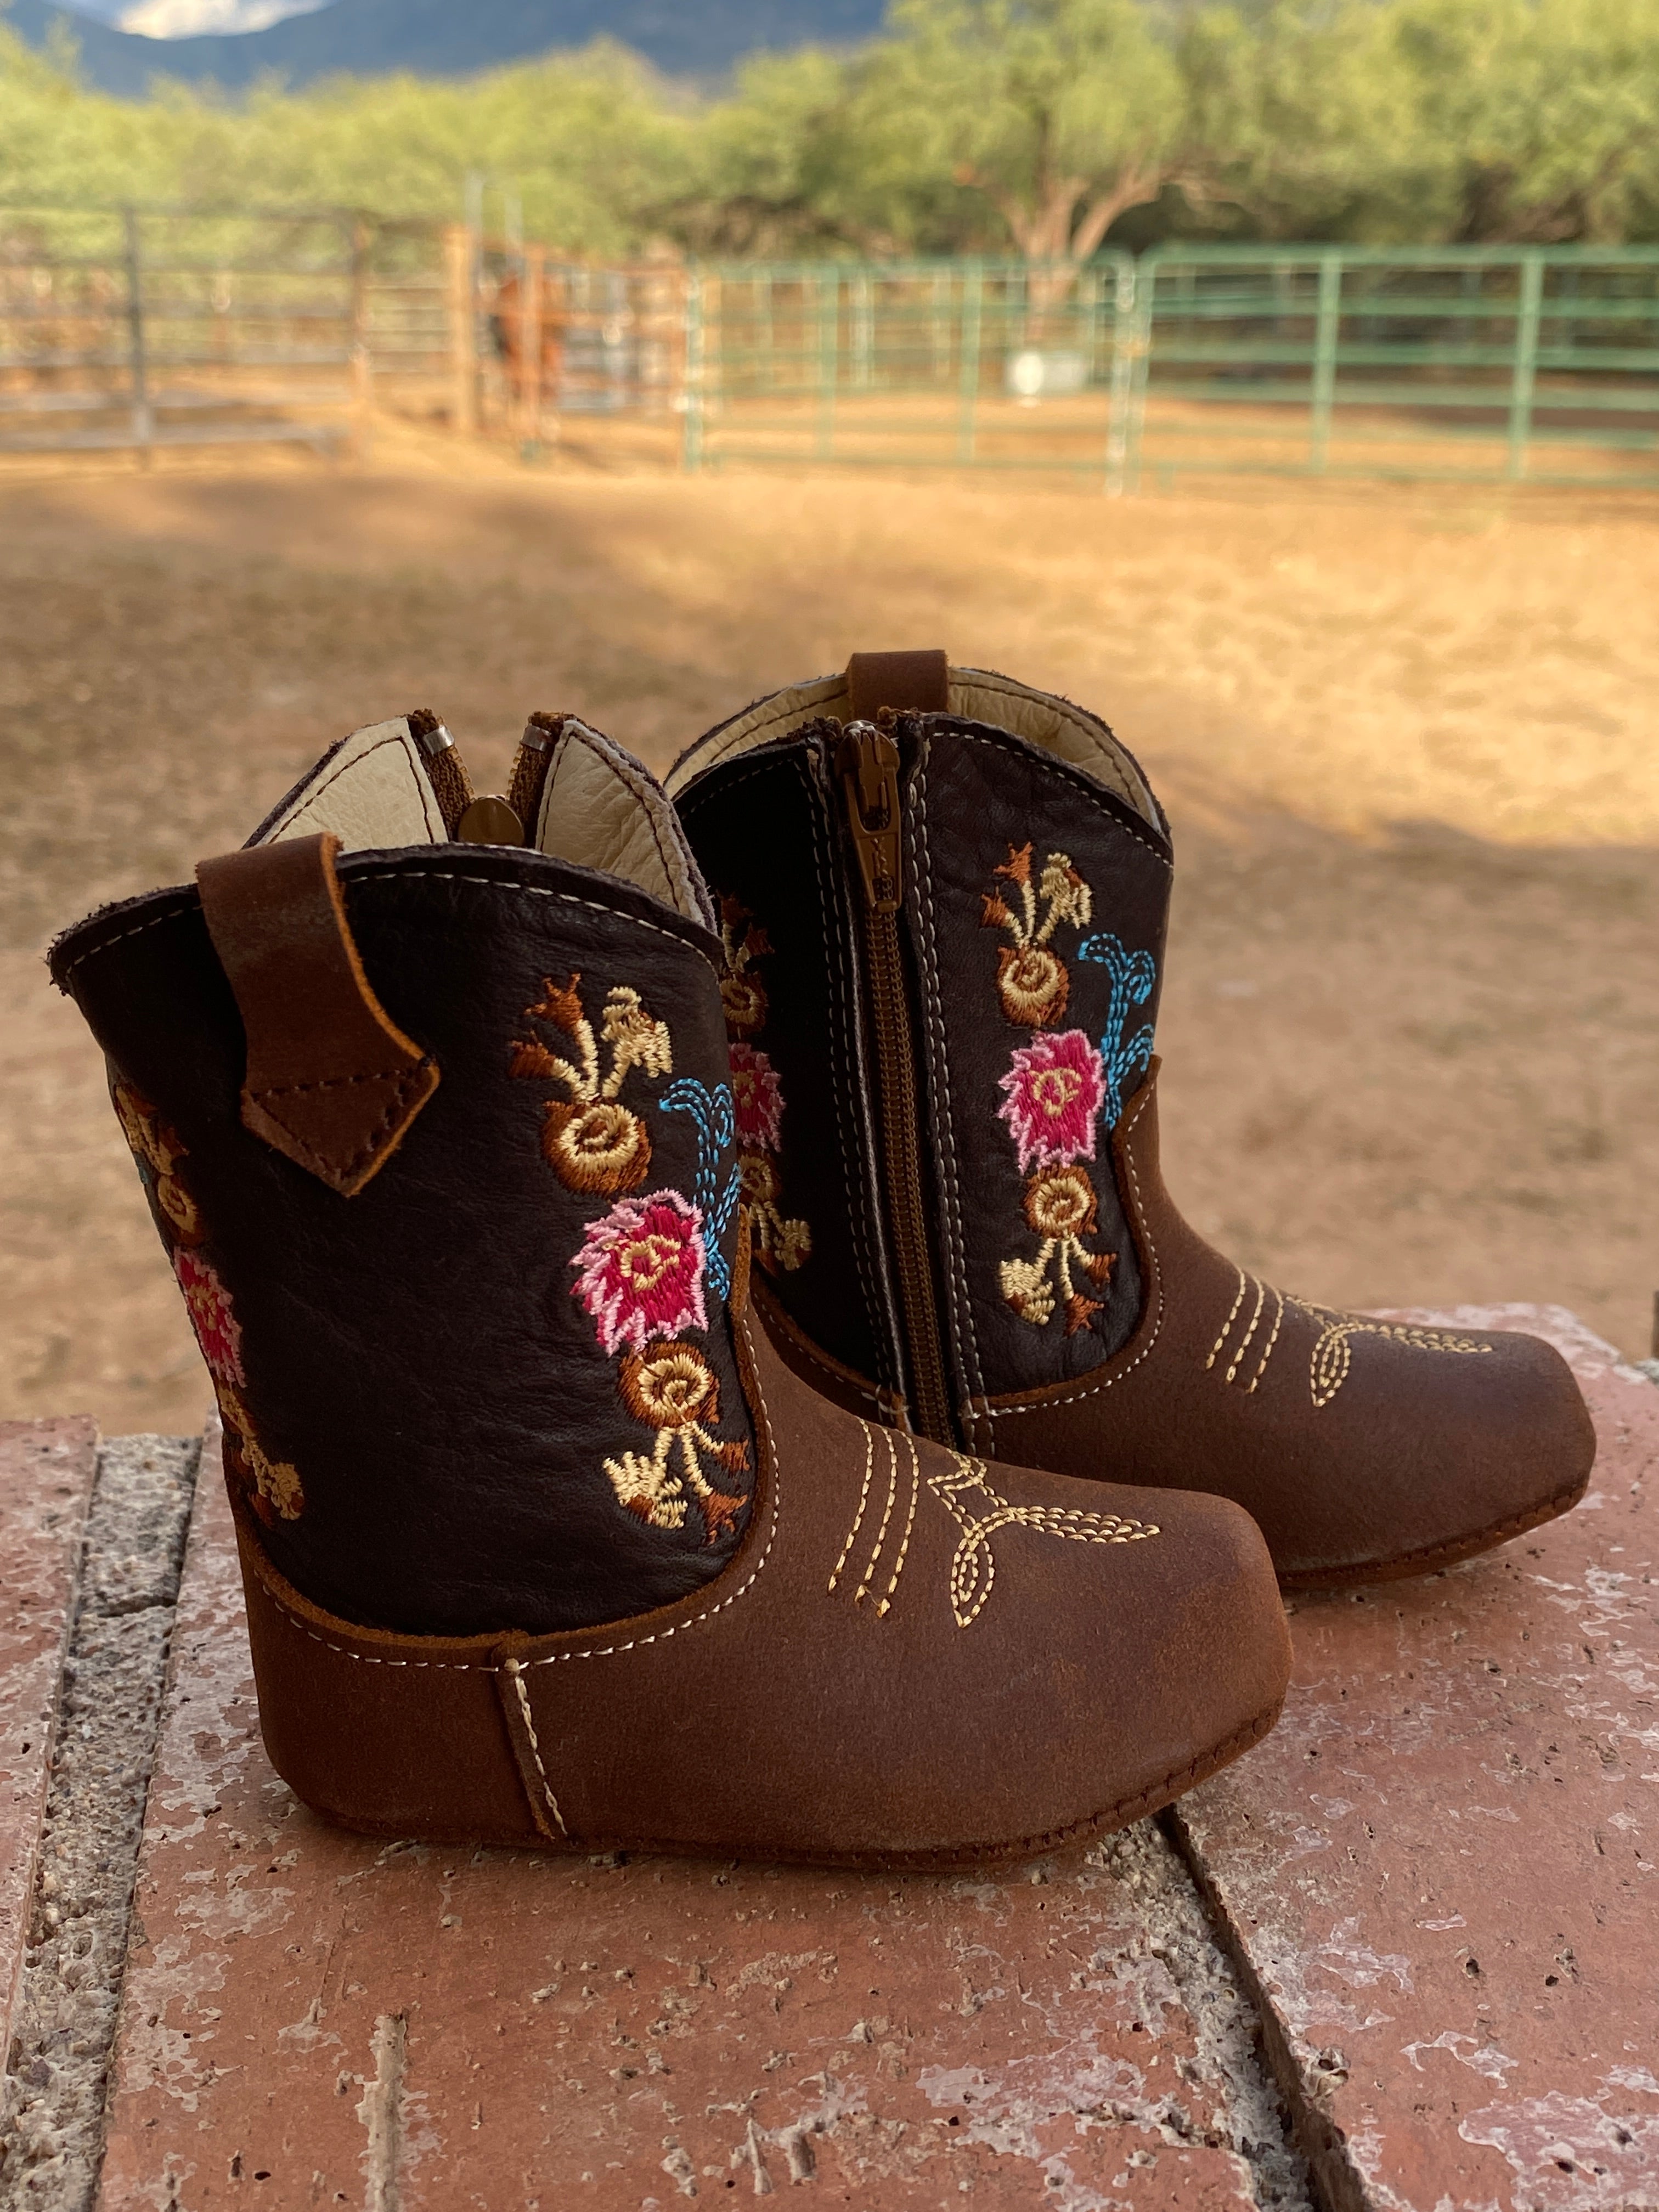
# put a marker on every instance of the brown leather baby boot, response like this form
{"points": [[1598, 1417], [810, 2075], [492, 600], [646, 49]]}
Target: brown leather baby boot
{"points": [[943, 899], [542, 1541]]}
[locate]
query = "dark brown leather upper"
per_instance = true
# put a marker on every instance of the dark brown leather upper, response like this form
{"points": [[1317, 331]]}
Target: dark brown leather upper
{"points": [[1086, 1328], [425, 1403]]}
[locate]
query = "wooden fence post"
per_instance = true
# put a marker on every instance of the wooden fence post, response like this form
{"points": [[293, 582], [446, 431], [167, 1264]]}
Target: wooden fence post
{"points": [[463, 328], [532, 281], [362, 359]]}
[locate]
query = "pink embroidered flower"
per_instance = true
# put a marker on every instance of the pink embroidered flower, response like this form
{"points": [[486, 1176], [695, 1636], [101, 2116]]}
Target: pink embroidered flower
{"points": [[1052, 1093], [757, 1096], [207, 1304], [640, 1270]]}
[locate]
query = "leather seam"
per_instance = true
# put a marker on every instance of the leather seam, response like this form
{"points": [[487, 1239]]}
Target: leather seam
{"points": [[835, 972], [172, 914], [1093, 1389], [864, 1256], [961, 1296], [337, 1082], [991, 744], [801, 1342], [531, 890], [609, 1650], [514, 1673]]}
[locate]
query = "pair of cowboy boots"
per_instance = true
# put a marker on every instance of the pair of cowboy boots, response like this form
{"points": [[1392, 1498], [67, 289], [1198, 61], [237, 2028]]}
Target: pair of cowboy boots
{"points": [[706, 1358]]}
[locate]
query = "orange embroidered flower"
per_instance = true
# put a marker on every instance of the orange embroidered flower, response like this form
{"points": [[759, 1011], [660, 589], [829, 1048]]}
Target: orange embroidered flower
{"points": [[590, 1142], [742, 994], [157, 1150], [273, 1485], [675, 1391], [1032, 981], [1062, 1202]]}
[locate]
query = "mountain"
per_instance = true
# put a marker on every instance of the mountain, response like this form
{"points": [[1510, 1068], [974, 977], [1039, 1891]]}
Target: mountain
{"points": [[436, 38]]}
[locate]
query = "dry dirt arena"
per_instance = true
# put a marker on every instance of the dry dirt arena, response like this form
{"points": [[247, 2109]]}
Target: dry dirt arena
{"points": [[1410, 743]]}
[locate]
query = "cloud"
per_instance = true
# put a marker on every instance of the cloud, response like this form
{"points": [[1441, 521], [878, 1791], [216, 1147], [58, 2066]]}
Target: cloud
{"points": [[188, 18]]}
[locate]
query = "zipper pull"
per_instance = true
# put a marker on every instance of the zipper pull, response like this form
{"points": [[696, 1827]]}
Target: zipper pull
{"points": [[868, 760]]}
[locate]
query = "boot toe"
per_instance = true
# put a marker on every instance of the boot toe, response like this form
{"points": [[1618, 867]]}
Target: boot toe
{"points": [[1451, 1456]]}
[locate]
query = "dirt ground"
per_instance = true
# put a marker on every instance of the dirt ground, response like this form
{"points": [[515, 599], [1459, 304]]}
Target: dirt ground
{"points": [[1410, 743]]}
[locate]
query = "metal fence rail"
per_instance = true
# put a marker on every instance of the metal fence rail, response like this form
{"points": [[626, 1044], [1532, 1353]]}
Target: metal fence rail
{"points": [[130, 329], [138, 329], [1536, 365]]}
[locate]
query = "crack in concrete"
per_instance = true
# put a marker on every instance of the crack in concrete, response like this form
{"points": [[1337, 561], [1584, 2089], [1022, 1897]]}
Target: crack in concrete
{"points": [[57, 2067]]}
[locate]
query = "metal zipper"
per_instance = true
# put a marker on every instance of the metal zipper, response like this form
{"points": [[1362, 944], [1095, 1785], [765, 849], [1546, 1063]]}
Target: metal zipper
{"points": [[868, 761]]}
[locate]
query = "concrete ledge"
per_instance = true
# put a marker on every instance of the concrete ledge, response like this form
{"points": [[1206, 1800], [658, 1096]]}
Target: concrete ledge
{"points": [[1403, 1956]]}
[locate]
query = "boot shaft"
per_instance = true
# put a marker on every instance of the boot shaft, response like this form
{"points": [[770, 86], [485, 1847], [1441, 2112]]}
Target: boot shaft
{"points": [[466, 1312], [944, 932]]}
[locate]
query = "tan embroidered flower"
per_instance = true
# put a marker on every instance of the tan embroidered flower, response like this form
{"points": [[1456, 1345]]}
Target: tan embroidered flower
{"points": [[1062, 1206], [157, 1148], [1032, 981], [590, 1142], [778, 1244], [1062, 1202], [274, 1489], [674, 1390], [742, 994], [602, 1148]]}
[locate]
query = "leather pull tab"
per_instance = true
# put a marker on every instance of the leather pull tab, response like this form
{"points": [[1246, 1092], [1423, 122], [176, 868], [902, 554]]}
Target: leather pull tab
{"points": [[332, 1082], [909, 683]]}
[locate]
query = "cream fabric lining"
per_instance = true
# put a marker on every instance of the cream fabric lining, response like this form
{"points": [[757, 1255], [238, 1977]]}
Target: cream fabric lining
{"points": [[374, 791], [978, 694], [599, 808]]}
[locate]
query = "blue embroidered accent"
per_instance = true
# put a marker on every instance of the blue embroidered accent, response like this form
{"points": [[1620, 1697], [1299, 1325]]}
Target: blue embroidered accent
{"points": [[1133, 975], [717, 1129]]}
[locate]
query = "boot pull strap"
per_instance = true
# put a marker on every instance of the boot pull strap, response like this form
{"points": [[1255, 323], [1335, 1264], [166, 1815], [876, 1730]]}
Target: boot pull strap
{"points": [[332, 1082], [909, 683]]}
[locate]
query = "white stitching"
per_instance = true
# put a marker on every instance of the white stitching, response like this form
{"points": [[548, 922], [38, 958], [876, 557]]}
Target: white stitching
{"points": [[172, 914], [864, 1499], [516, 1673], [909, 1523], [994, 744], [440, 875], [609, 1650], [955, 1236], [1093, 1389], [863, 1589]]}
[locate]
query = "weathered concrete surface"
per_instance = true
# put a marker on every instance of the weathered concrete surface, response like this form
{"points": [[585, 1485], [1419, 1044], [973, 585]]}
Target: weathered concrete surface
{"points": [[46, 1479], [64, 2020], [310, 2018], [1442, 1868]]}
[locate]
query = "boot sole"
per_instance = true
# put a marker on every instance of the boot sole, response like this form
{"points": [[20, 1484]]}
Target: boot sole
{"points": [[1444, 1555], [1123, 1814]]}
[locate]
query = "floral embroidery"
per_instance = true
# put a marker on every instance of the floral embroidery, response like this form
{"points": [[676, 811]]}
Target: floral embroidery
{"points": [[276, 1493], [1133, 975], [1031, 979], [157, 1151], [780, 1242], [1060, 1205], [273, 1487], [207, 1303], [591, 1141], [1051, 1096], [758, 1096], [716, 1120], [676, 1392], [742, 994], [640, 1270]]}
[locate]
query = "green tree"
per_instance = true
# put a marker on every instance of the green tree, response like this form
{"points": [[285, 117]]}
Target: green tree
{"points": [[1060, 114]]}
